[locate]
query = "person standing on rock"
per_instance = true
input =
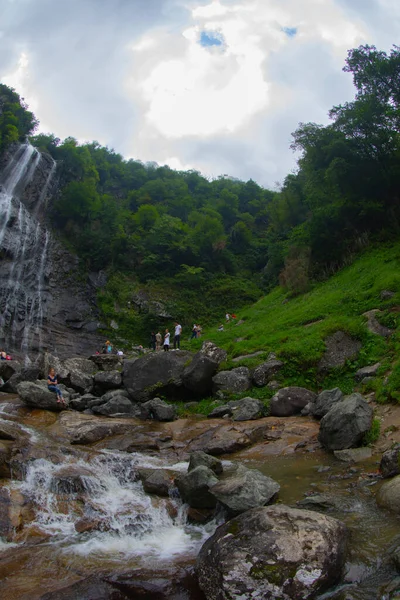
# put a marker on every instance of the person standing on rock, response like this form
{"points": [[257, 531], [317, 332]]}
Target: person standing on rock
{"points": [[52, 384], [166, 340], [177, 336], [158, 341]]}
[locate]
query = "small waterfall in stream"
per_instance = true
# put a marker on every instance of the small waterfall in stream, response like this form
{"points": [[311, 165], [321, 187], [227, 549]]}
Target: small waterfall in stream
{"points": [[24, 243], [107, 492]]}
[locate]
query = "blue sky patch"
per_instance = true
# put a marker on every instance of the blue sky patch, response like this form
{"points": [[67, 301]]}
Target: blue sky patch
{"points": [[290, 31], [211, 38]]}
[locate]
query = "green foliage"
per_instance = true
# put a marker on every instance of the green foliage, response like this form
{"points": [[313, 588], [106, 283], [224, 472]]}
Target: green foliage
{"points": [[16, 121], [373, 434]]}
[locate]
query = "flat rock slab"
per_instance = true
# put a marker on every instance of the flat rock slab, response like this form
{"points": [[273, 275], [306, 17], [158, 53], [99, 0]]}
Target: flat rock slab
{"points": [[353, 455], [373, 324], [339, 348], [244, 356]]}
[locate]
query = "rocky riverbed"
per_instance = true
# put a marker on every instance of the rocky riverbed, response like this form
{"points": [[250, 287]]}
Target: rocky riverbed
{"points": [[76, 519], [113, 497]]}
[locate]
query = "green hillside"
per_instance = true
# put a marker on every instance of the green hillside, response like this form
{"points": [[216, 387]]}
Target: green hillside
{"points": [[295, 330]]}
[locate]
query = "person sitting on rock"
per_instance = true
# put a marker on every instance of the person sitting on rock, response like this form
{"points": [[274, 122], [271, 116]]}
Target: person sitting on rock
{"points": [[3, 355], [52, 384], [107, 348]]}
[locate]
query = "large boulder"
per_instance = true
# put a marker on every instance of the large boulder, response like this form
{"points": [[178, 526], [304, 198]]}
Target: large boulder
{"points": [[37, 395], [245, 489], [72, 479], [246, 409], [324, 402], [158, 410], [236, 380], [107, 380], [290, 401], [346, 423], [24, 374], [200, 458], [8, 368], [115, 406], [197, 376], [106, 362], [155, 373], [266, 371], [277, 552], [158, 482], [194, 487], [390, 462], [389, 495], [84, 365]]}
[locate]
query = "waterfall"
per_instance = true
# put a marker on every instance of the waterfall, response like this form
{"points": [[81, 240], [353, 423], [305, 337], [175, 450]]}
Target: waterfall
{"points": [[24, 244]]}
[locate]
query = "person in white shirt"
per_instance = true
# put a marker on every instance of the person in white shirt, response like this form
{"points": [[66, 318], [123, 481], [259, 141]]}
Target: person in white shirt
{"points": [[166, 340], [177, 336]]}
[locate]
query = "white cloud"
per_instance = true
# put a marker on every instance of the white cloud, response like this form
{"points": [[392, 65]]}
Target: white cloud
{"points": [[133, 74]]}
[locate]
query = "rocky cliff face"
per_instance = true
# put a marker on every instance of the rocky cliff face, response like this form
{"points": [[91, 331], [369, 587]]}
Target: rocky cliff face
{"points": [[46, 299]]}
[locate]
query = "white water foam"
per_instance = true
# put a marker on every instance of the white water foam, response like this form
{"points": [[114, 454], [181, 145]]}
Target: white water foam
{"points": [[132, 523]]}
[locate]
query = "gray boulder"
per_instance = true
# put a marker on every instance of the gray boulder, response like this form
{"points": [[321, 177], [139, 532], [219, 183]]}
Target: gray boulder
{"points": [[117, 405], [107, 380], [155, 373], [346, 423], [220, 411], [111, 393], [25, 374], [158, 410], [353, 455], [194, 487], [78, 381], [197, 377], [245, 489], [266, 371], [390, 462], [106, 362], [157, 482], [200, 458], [389, 495], [83, 365], [276, 552], [8, 368], [247, 409], [290, 401], [81, 402], [37, 395], [324, 402], [236, 380], [370, 371]]}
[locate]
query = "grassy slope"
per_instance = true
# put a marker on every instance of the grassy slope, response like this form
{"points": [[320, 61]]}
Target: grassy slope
{"points": [[337, 304]]}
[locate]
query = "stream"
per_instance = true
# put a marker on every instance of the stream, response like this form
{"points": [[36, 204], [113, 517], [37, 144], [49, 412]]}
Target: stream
{"points": [[124, 529]]}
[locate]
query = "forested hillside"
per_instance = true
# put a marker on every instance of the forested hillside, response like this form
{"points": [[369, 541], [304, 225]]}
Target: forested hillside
{"points": [[203, 247]]}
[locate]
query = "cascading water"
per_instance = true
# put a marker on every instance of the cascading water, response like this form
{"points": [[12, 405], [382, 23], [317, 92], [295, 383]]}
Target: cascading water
{"points": [[128, 523], [24, 243]]}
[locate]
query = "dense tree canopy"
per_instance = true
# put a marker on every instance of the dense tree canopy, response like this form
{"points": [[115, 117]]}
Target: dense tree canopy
{"points": [[228, 236]]}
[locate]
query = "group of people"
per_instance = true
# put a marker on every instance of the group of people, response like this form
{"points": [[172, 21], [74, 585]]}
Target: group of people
{"points": [[108, 349], [157, 340], [4, 355], [196, 331]]}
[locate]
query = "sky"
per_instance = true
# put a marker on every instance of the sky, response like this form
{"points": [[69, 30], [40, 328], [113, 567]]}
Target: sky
{"points": [[212, 85]]}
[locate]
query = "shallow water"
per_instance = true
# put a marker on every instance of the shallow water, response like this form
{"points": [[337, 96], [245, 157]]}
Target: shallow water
{"points": [[139, 531]]}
